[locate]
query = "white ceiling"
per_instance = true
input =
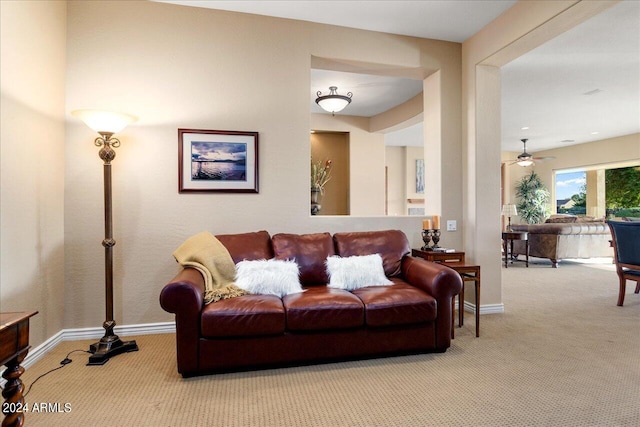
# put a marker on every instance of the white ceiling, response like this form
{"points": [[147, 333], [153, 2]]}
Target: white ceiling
{"points": [[545, 90], [451, 20], [371, 94], [582, 86]]}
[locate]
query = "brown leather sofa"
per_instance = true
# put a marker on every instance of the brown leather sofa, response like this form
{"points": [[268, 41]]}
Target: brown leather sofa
{"points": [[413, 315], [557, 241]]}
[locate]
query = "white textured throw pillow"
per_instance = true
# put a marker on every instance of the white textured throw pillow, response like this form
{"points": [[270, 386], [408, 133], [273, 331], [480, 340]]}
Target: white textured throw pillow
{"points": [[356, 272], [269, 277]]}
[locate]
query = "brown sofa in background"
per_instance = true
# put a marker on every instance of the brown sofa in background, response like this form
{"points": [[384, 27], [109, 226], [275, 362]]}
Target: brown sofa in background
{"points": [[565, 240], [412, 315]]}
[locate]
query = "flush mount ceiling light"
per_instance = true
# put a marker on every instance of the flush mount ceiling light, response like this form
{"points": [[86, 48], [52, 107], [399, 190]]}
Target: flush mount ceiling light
{"points": [[333, 102]]}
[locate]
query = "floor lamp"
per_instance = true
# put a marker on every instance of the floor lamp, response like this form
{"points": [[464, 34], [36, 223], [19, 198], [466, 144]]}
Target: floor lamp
{"points": [[106, 124]]}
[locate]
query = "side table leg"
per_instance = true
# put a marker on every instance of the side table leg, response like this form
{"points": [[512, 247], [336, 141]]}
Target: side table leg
{"points": [[12, 392], [477, 283], [453, 316], [505, 253], [461, 306]]}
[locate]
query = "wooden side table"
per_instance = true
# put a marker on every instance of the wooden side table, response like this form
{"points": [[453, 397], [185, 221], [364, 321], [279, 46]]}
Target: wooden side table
{"points": [[14, 346], [467, 272], [439, 257], [510, 236]]}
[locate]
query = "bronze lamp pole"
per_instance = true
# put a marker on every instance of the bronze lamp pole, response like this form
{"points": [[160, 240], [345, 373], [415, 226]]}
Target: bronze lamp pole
{"points": [[110, 344]]}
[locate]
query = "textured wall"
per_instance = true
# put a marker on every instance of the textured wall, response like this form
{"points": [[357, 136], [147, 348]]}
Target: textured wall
{"points": [[185, 67], [32, 155]]}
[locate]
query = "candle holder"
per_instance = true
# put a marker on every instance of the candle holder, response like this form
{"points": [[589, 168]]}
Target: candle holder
{"points": [[426, 238], [436, 238]]}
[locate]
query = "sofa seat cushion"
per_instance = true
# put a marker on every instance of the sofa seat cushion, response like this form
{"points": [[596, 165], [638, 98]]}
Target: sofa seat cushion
{"points": [[323, 308], [248, 315], [397, 304]]}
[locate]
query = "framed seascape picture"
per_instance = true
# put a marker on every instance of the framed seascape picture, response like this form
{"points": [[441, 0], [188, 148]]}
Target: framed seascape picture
{"points": [[217, 161]]}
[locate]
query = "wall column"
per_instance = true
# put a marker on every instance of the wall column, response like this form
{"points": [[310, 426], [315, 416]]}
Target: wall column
{"points": [[432, 144], [485, 157], [596, 195]]}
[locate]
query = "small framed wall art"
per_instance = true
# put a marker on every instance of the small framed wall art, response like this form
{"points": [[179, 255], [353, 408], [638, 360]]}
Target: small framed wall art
{"points": [[217, 161]]}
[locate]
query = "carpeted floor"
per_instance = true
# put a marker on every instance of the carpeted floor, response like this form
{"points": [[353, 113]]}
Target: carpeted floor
{"points": [[562, 354]]}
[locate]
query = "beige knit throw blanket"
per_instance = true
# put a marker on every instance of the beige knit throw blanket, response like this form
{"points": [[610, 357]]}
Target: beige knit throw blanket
{"points": [[205, 253]]}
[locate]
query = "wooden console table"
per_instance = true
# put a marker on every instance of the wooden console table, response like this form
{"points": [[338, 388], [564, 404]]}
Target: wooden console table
{"points": [[467, 272], [14, 346]]}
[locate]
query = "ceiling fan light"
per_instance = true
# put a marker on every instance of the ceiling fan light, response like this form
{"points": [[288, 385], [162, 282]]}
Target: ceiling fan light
{"points": [[333, 102], [525, 162]]}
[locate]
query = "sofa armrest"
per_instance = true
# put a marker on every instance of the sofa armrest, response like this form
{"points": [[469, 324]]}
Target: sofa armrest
{"points": [[440, 282], [184, 296], [185, 292]]}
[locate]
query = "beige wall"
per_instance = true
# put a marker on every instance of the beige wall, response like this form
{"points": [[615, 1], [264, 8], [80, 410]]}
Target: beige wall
{"points": [[412, 155], [396, 176], [199, 68], [401, 168], [32, 162]]}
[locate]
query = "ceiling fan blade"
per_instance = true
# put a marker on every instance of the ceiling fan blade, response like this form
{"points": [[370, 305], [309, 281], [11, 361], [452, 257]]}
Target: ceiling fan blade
{"points": [[510, 162], [543, 158]]}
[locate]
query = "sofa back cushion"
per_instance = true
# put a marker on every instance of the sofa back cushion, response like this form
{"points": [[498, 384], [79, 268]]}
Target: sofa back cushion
{"points": [[561, 219], [247, 246], [309, 251], [392, 245], [574, 228]]}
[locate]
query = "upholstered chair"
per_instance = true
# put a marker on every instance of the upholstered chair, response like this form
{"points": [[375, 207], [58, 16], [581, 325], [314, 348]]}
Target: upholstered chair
{"points": [[626, 247]]}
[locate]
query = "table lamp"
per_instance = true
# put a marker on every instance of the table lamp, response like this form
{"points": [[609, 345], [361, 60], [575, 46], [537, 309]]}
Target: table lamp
{"points": [[509, 210]]}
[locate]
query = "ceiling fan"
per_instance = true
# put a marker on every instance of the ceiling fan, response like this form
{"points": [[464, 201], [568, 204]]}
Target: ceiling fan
{"points": [[526, 159]]}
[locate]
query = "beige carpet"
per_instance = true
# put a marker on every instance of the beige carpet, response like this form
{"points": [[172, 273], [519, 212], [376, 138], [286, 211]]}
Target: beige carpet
{"points": [[563, 354]]}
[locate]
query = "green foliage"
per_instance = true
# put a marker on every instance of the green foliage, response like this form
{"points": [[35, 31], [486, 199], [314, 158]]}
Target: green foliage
{"points": [[580, 199], [634, 212], [533, 199], [575, 210], [622, 188]]}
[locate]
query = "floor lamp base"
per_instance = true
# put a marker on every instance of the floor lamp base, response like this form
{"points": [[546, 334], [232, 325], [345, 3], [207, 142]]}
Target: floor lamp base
{"points": [[108, 347]]}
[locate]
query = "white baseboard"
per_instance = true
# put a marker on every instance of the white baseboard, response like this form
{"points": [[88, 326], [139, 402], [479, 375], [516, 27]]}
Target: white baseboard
{"points": [[38, 352], [90, 333], [484, 308]]}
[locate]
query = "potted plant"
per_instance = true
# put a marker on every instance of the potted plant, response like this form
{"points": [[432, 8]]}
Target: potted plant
{"points": [[320, 175], [533, 199]]}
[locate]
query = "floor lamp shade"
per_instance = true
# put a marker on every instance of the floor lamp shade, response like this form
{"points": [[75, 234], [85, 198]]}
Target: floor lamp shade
{"points": [[104, 121], [107, 123]]}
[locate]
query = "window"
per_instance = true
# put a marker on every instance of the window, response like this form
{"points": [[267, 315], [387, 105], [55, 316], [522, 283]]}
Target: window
{"points": [[571, 192]]}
